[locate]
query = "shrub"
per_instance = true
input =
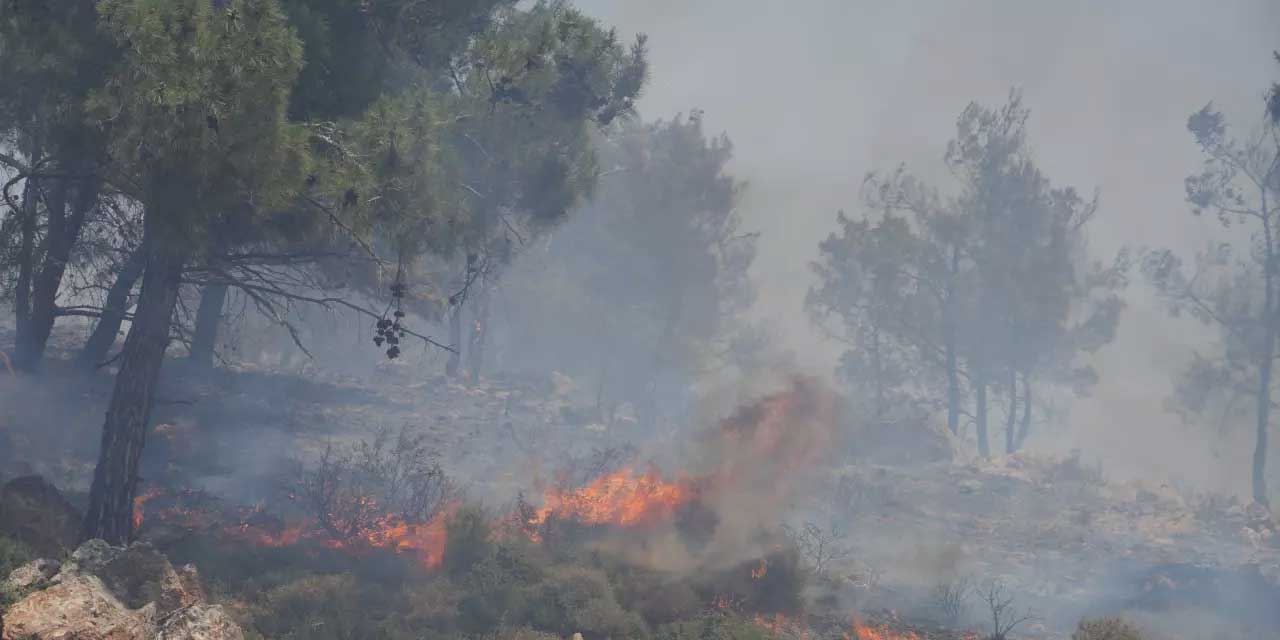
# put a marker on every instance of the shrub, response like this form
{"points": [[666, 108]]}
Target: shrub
{"points": [[468, 541], [1105, 629], [950, 598], [351, 491], [13, 554], [713, 626], [325, 607], [578, 599]]}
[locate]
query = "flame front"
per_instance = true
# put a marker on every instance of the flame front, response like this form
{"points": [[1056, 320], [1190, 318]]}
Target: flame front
{"points": [[882, 632], [621, 498]]}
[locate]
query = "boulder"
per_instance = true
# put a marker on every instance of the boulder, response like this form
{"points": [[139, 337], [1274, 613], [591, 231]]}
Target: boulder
{"points": [[115, 593], [34, 511], [79, 607], [32, 574], [199, 622]]}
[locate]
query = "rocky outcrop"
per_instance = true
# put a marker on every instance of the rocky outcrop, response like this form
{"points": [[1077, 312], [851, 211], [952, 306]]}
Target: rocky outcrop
{"points": [[35, 512], [112, 593]]}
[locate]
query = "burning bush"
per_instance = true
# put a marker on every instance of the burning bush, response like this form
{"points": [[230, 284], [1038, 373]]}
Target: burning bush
{"points": [[389, 492]]}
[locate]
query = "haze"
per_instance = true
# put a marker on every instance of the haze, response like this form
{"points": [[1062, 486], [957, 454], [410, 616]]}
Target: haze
{"points": [[815, 94]]}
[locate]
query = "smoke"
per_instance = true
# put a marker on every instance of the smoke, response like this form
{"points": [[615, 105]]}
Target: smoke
{"points": [[815, 94]]}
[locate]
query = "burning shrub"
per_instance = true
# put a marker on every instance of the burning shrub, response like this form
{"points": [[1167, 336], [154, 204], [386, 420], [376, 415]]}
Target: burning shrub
{"points": [[772, 584], [579, 470], [1106, 629], [391, 480]]}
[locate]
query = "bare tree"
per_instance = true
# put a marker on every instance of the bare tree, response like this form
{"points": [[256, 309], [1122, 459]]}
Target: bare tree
{"points": [[819, 547], [1004, 619], [951, 598]]}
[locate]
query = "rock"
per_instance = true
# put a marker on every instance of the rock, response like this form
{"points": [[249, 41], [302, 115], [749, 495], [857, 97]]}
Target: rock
{"points": [[32, 574], [35, 512], [79, 607], [115, 593], [199, 622]]}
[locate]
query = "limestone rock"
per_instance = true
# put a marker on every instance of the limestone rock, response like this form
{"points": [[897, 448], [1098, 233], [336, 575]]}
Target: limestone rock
{"points": [[199, 622], [32, 574], [79, 607], [115, 593]]}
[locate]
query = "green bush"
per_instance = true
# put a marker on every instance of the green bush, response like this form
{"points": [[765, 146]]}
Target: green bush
{"points": [[1106, 629], [13, 554], [469, 540], [326, 607], [713, 626], [579, 599]]}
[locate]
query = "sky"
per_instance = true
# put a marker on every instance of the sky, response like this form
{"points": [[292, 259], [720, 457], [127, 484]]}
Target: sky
{"points": [[815, 93]]}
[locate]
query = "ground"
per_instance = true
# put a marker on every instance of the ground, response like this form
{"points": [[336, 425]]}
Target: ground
{"points": [[1062, 540]]}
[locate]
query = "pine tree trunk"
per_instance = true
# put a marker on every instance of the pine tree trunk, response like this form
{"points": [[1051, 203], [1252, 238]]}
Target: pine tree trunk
{"points": [[1012, 417], [115, 481], [1270, 317], [980, 399], [208, 319], [105, 332], [26, 255], [1026, 412], [61, 237], [953, 391], [953, 365], [1264, 422]]}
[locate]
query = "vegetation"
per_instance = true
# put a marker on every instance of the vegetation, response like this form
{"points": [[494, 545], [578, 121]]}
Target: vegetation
{"points": [[988, 289]]}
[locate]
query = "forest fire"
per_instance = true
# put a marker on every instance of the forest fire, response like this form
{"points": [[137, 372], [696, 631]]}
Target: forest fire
{"points": [[863, 631], [780, 625], [194, 511], [622, 498]]}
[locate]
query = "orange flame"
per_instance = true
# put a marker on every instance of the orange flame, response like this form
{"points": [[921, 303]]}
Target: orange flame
{"points": [[882, 632], [621, 499], [138, 502], [761, 570], [780, 626]]}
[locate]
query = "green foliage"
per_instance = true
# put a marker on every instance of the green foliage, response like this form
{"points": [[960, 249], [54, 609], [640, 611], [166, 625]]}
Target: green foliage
{"points": [[1106, 629], [322, 607], [579, 599], [196, 108], [657, 260], [13, 554], [713, 626], [469, 541], [993, 286]]}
